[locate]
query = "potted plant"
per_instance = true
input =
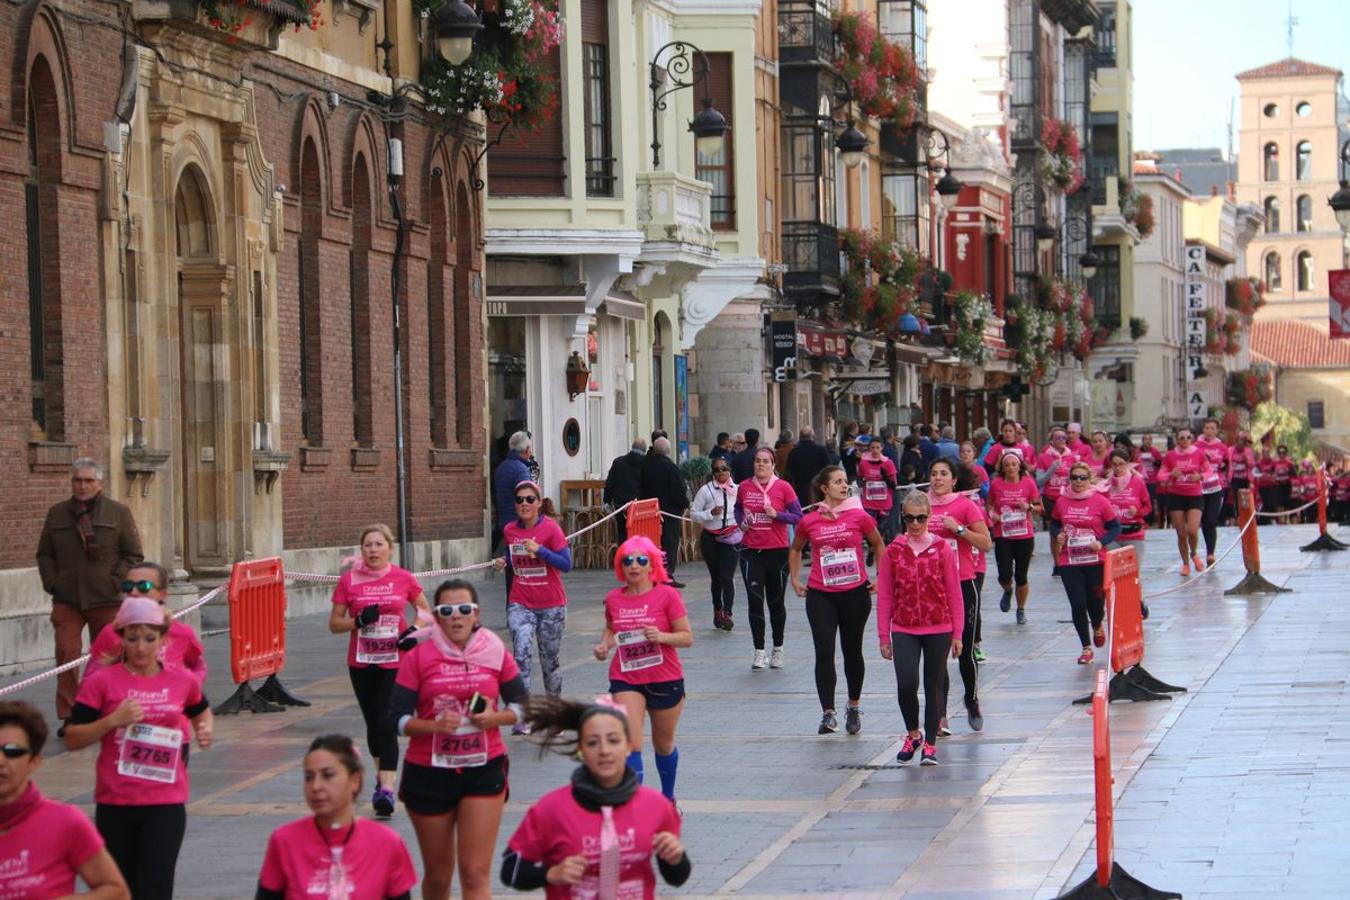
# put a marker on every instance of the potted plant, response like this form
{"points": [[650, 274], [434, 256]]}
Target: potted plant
{"points": [[1063, 160], [1138, 327], [881, 74], [970, 313]]}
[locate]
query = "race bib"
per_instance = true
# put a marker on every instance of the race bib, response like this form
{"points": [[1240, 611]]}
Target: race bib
{"points": [[1239, 470], [464, 749], [1211, 483], [875, 490], [525, 565], [1016, 523], [589, 889], [636, 652], [840, 567], [378, 642], [150, 753], [955, 544], [1080, 549]]}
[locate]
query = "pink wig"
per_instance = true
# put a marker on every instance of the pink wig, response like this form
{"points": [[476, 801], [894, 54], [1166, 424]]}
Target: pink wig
{"points": [[641, 546]]}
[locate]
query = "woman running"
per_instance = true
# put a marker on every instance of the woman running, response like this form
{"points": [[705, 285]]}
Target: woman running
{"points": [[335, 853], [1099, 459], [595, 837], [1241, 468], [646, 621], [969, 457], [1129, 498], [1052, 469], [536, 609], [1082, 524], [878, 477], [453, 696], [714, 511], [1148, 458], [920, 614], [1007, 440], [838, 595], [371, 603], [1183, 472], [55, 841], [1214, 485], [140, 710], [180, 648], [765, 507], [956, 519], [1013, 499]]}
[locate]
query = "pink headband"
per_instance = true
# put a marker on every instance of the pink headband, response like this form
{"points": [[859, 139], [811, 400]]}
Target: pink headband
{"points": [[529, 484], [138, 611]]}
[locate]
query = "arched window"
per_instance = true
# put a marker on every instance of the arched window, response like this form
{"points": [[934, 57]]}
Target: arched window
{"points": [[1272, 207], [1303, 213], [466, 291], [439, 287], [1303, 161], [358, 265], [311, 313], [1271, 156], [1272, 270], [1303, 269], [46, 369]]}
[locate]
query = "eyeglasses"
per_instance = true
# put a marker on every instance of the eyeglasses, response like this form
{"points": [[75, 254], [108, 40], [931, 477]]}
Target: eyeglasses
{"points": [[1080, 477], [144, 586], [526, 499], [15, 751], [721, 469], [446, 610], [919, 519], [640, 559]]}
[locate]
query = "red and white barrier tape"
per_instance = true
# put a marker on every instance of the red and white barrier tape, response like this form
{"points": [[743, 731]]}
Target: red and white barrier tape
{"points": [[1220, 558], [1287, 512]]}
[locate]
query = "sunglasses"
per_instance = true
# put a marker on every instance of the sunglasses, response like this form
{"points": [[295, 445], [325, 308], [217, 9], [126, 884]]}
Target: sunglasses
{"points": [[144, 587], [14, 751], [1080, 477], [640, 559], [526, 499], [919, 519], [721, 469], [446, 610]]}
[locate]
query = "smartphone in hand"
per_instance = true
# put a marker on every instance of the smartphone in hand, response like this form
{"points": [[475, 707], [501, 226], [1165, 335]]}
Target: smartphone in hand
{"points": [[477, 704]]}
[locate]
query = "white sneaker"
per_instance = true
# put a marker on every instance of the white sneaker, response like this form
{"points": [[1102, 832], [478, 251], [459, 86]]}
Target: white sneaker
{"points": [[776, 658], [760, 660]]}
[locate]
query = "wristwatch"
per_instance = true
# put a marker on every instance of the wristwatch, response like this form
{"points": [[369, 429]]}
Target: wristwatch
{"points": [[960, 530]]}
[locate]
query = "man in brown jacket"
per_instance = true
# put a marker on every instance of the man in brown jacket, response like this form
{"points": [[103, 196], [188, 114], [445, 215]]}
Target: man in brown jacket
{"points": [[88, 544]]}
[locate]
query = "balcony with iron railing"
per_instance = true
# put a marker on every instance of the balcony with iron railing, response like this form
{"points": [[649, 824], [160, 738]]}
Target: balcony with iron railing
{"points": [[811, 254], [805, 33]]}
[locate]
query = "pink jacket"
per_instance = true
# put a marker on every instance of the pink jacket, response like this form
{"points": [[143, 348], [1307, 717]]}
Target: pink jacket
{"points": [[918, 593]]}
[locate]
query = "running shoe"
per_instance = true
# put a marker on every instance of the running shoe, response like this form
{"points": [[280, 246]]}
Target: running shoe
{"points": [[978, 653], [383, 801], [943, 730], [1085, 657], [829, 724], [853, 720], [776, 658], [929, 755], [1209, 561], [973, 715], [1021, 617], [908, 748], [520, 728], [1195, 561], [1185, 569], [760, 661], [1099, 636], [1005, 602], [1143, 610]]}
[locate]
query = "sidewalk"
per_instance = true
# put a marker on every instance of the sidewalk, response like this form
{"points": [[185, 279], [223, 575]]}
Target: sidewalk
{"points": [[1216, 797]]}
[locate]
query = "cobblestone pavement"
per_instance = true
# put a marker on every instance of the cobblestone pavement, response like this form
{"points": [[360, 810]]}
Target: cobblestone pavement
{"points": [[1217, 797]]}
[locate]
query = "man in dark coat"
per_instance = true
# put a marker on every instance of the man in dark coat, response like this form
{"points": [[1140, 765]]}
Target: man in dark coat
{"points": [[804, 462], [743, 463], [624, 483], [662, 481], [88, 543], [511, 471]]}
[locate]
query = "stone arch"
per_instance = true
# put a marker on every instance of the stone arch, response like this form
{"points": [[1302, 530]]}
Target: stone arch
{"points": [[365, 141], [312, 128], [194, 219], [45, 41]]}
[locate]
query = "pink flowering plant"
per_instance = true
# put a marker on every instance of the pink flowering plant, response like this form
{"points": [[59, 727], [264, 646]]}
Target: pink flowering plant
{"points": [[881, 73], [1063, 160], [232, 16]]}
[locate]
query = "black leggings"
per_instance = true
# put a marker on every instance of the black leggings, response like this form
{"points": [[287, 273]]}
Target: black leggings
{"points": [[1013, 557], [1209, 520], [979, 607], [905, 652], [144, 842], [765, 580], [966, 661], [721, 561], [845, 612], [1083, 584], [372, 686]]}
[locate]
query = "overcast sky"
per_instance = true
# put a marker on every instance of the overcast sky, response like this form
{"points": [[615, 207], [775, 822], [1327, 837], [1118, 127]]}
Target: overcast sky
{"points": [[1186, 53]]}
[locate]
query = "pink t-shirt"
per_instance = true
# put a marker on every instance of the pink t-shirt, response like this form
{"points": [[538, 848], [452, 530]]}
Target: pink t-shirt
{"points": [[1057, 464], [375, 859], [876, 477], [995, 453], [1084, 519], [41, 855], [1010, 522], [965, 512], [1184, 471], [394, 592], [1132, 493], [1080, 448], [181, 648], [445, 685], [557, 827], [1241, 462], [918, 593], [143, 764], [1100, 464], [1148, 458], [763, 532], [536, 584], [1217, 452], [637, 660], [838, 560]]}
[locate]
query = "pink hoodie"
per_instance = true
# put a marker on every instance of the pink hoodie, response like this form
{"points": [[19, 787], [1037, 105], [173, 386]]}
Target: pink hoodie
{"points": [[918, 593]]}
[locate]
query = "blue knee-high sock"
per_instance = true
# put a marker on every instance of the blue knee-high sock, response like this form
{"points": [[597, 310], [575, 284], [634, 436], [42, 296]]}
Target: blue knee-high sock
{"points": [[666, 766], [635, 763]]}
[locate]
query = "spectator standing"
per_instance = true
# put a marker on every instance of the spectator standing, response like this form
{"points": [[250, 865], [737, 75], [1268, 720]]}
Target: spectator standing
{"points": [[927, 446], [662, 481], [890, 448], [721, 449], [912, 469], [947, 447], [88, 543], [511, 471], [781, 451], [805, 462], [983, 440], [624, 483], [743, 463]]}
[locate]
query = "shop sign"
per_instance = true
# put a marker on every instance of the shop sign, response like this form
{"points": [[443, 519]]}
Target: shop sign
{"points": [[869, 387], [783, 344], [823, 343], [1196, 407]]}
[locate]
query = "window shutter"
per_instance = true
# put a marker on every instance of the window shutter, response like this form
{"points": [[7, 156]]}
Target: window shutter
{"points": [[529, 162], [595, 21]]}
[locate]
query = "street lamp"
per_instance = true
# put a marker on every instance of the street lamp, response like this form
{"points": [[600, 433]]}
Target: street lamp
{"points": [[455, 23], [852, 145], [709, 126], [1340, 201], [948, 186], [1088, 262], [1045, 236]]}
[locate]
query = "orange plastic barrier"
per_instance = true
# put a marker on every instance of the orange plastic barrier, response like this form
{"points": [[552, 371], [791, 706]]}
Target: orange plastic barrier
{"points": [[1324, 541], [644, 518], [257, 597], [1101, 770], [1253, 582], [1121, 578]]}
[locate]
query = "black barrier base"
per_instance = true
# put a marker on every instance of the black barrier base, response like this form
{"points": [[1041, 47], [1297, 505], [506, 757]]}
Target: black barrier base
{"points": [[1254, 583], [1135, 685], [1123, 886], [1324, 542], [245, 698], [273, 691]]}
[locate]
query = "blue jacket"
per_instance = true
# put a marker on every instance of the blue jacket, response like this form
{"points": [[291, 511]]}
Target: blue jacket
{"points": [[511, 471], [948, 449]]}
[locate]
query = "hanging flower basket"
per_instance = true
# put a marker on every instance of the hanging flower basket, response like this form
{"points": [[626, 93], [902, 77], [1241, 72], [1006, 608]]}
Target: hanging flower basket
{"points": [[1245, 295], [971, 312], [881, 73], [232, 16], [878, 284], [1033, 353], [1063, 159]]}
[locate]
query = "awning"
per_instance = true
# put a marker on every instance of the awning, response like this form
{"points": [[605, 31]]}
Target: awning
{"points": [[536, 300], [624, 306]]}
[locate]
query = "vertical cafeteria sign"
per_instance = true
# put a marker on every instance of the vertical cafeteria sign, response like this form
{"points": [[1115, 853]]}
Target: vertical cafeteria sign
{"points": [[1196, 408]]}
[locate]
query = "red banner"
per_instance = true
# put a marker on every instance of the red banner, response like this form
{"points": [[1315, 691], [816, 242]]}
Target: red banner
{"points": [[823, 343], [1340, 302]]}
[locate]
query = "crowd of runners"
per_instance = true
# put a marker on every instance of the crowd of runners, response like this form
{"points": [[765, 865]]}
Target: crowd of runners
{"points": [[876, 528]]}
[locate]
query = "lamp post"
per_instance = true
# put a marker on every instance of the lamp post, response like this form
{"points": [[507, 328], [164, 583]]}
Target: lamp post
{"points": [[1340, 203], [1076, 229], [948, 186], [708, 126], [851, 143]]}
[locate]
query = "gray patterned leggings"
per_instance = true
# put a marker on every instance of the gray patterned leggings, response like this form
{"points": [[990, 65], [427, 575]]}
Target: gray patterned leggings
{"points": [[545, 628]]}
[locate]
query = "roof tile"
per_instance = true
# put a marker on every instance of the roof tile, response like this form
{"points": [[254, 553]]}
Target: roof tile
{"points": [[1287, 68], [1295, 344]]}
